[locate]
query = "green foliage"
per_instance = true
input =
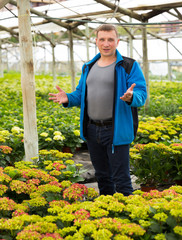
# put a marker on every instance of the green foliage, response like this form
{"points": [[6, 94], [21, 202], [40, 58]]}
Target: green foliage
{"points": [[156, 163], [42, 200], [57, 126], [165, 99]]}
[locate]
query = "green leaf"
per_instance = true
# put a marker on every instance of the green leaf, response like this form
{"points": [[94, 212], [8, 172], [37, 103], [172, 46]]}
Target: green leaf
{"points": [[170, 236], [77, 179], [171, 221], [6, 237], [155, 227], [153, 210], [13, 173], [22, 179], [71, 168]]}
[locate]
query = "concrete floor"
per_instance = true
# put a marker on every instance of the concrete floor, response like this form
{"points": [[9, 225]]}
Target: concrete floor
{"points": [[83, 157]]}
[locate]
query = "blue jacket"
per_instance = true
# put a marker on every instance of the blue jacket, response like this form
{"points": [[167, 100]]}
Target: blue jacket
{"points": [[127, 72]]}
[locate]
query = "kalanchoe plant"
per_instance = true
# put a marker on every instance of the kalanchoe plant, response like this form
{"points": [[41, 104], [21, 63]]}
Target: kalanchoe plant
{"points": [[37, 205], [176, 162], [159, 129], [156, 163], [60, 165]]}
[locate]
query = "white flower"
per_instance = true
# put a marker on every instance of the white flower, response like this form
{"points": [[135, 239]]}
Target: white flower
{"points": [[16, 130], [58, 137]]}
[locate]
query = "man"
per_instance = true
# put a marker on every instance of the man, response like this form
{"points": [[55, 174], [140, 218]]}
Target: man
{"points": [[109, 87]]}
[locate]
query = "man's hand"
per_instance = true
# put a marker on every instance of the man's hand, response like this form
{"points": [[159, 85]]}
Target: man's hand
{"points": [[127, 97], [59, 97]]}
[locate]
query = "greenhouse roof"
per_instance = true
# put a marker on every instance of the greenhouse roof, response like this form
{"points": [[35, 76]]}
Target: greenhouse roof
{"points": [[73, 14]]}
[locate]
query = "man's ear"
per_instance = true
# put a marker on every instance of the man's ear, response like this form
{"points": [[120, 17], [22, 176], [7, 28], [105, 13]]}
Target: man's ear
{"points": [[118, 42]]}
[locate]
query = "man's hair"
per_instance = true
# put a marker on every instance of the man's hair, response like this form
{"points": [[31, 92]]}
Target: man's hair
{"points": [[107, 28]]}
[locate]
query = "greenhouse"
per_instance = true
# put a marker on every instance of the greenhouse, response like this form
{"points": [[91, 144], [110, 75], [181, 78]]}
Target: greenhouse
{"points": [[49, 186]]}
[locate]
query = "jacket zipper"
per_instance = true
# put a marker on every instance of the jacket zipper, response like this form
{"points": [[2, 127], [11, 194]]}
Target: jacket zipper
{"points": [[113, 112], [114, 102]]}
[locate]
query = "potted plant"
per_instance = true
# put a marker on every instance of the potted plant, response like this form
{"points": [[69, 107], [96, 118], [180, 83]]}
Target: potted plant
{"points": [[176, 162], [149, 164]]}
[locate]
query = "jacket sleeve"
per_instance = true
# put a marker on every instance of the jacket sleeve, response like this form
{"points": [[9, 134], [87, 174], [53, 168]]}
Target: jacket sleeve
{"points": [[74, 98], [140, 91]]}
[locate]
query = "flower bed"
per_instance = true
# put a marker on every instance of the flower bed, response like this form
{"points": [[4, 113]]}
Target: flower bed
{"points": [[38, 204], [44, 201], [159, 129], [59, 127]]}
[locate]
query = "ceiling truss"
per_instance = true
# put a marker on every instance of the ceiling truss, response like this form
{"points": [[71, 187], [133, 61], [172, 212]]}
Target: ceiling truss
{"points": [[73, 21]]}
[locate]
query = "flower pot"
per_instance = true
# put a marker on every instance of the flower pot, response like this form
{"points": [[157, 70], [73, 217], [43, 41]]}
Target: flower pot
{"points": [[147, 188], [179, 182], [66, 149]]}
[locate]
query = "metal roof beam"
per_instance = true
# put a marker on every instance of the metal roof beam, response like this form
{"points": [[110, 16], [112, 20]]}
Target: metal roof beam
{"points": [[3, 3], [152, 14], [178, 15], [2, 28], [120, 9], [61, 24], [164, 6]]}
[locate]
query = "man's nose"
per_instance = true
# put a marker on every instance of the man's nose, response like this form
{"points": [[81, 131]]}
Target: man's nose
{"points": [[106, 43]]}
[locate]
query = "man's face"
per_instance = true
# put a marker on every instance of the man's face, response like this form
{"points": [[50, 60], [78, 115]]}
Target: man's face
{"points": [[107, 43]]}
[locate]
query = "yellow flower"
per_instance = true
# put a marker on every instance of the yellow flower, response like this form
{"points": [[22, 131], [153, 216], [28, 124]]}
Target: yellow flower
{"points": [[2, 139], [102, 234], [160, 236], [69, 162], [154, 137], [79, 165], [44, 134], [4, 133], [178, 230], [57, 133], [49, 167], [76, 132], [161, 217], [48, 139]]}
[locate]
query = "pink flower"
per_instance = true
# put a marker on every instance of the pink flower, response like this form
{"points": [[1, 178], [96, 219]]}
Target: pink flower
{"points": [[6, 149], [75, 192], [81, 214]]}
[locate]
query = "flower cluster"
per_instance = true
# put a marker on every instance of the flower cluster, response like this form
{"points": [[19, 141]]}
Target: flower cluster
{"points": [[159, 129], [6, 149], [75, 192], [7, 204]]}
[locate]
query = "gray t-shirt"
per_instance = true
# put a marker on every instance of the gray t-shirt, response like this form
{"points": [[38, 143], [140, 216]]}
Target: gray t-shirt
{"points": [[100, 91]]}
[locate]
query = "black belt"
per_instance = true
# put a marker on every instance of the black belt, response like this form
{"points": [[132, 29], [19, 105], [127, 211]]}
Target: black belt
{"points": [[101, 123]]}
